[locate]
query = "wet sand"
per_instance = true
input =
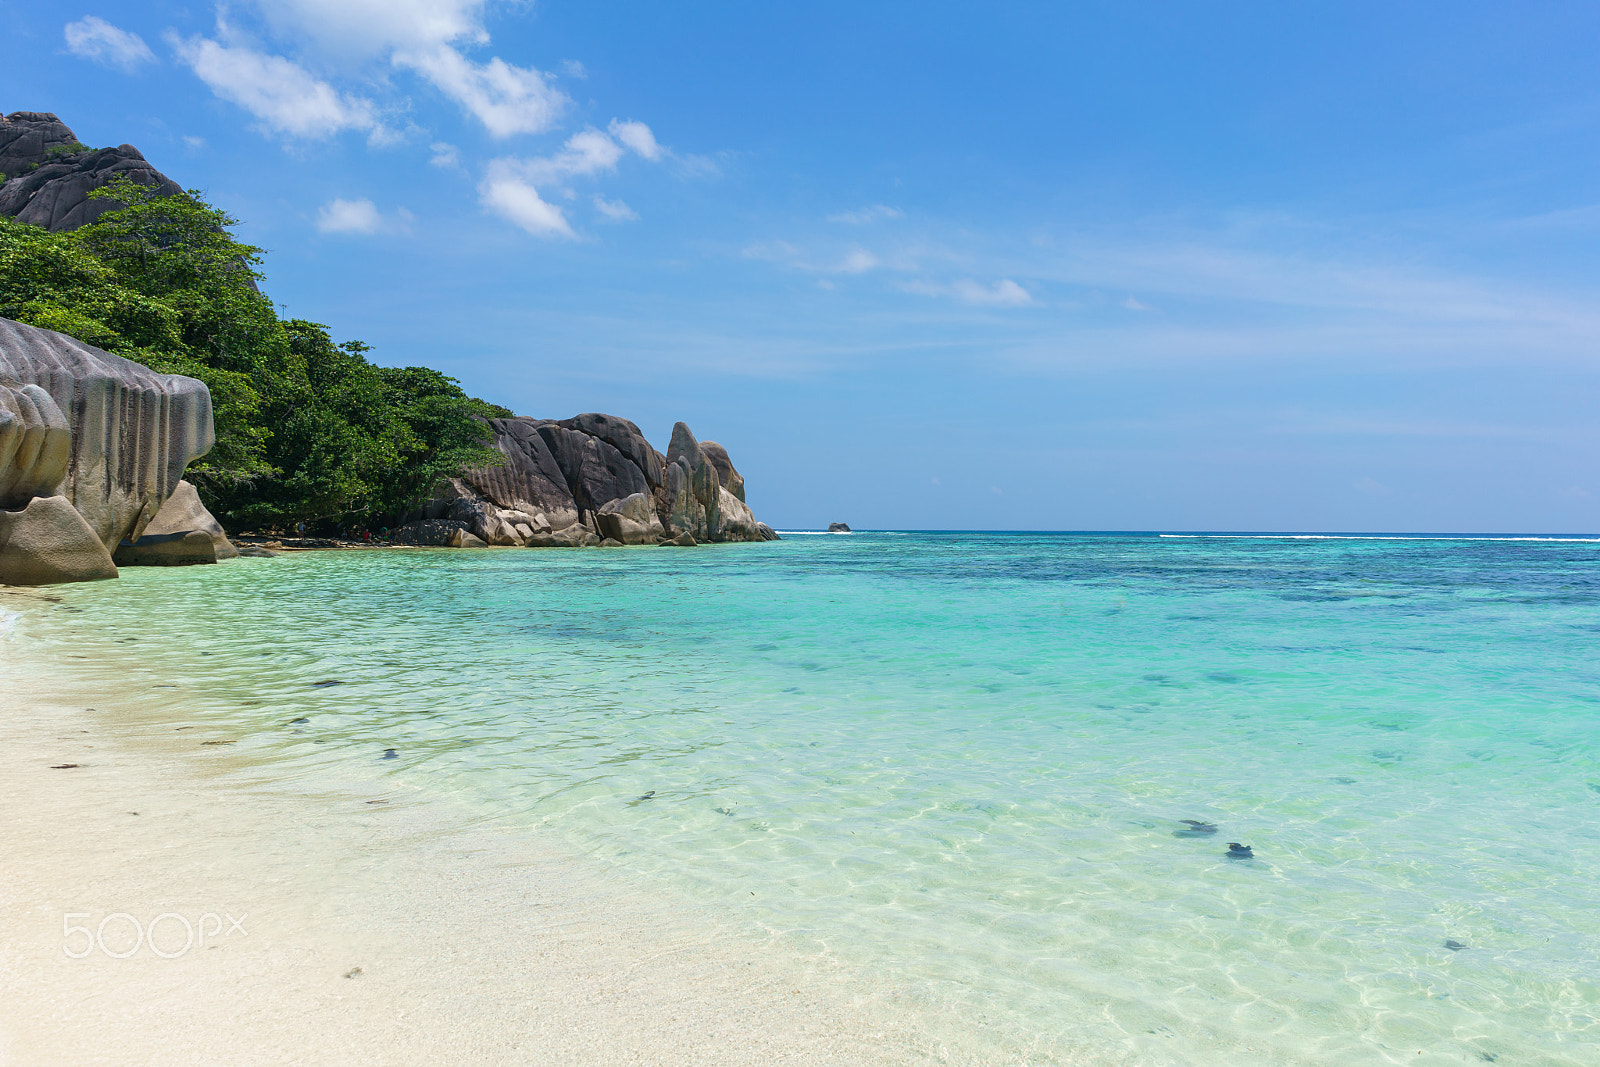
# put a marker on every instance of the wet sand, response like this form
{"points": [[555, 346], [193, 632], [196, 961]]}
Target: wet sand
{"points": [[330, 929]]}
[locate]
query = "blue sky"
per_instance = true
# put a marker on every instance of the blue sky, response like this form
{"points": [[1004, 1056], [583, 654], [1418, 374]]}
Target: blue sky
{"points": [[1029, 266]]}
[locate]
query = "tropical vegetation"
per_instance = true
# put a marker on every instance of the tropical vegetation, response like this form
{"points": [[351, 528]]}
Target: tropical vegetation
{"points": [[308, 430]]}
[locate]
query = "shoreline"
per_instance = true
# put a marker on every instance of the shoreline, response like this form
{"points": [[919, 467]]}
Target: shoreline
{"points": [[373, 925]]}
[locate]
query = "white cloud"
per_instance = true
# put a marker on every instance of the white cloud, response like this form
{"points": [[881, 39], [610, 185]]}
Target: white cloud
{"points": [[615, 210], [349, 216], [573, 69], [511, 187], [281, 93], [1003, 293], [194, 144], [637, 136], [586, 152], [507, 99], [1134, 305], [858, 260], [96, 39], [444, 154], [506, 191], [372, 28], [854, 260], [422, 36], [874, 213]]}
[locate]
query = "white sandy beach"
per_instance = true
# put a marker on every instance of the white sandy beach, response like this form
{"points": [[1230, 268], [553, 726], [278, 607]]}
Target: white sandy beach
{"points": [[337, 930]]}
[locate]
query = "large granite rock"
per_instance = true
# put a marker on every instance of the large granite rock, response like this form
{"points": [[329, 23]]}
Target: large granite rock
{"points": [[183, 532], [46, 541], [727, 477], [631, 521], [596, 471], [574, 482], [626, 438], [35, 443], [694, 491], [133, 431], [530, 480], [48, 181]]}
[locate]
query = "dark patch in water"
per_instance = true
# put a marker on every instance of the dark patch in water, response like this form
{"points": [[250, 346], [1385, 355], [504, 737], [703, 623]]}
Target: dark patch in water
{"points": [[1455, 946], [1595, 786], [325, 683], [1342, 780], [1385, 726], [766, 648], [1195, 828], [1387, 755], [390, 753], [299, 722], [1225, 677]]}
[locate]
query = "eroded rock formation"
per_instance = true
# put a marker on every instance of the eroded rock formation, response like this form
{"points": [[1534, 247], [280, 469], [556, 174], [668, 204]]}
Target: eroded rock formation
{"points": [[92, 453], [49, 174], [578, 481], [133, 431], [182, 532]]}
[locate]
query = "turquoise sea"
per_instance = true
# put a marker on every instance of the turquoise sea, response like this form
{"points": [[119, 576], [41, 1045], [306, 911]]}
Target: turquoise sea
{"points": [[961, 760]]}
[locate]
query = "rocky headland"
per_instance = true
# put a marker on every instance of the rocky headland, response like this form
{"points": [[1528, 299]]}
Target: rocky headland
{"points": [[93, 446], [590, 480]]}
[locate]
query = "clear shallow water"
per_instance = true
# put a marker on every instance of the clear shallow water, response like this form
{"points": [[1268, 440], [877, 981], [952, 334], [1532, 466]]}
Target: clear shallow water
{"points": [[961, 759]]}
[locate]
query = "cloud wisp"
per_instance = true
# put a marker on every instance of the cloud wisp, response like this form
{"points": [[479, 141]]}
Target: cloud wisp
{"points": [[1004, 293], [615, 210], [348, 38], [349, 216], [867, 215], [286, 97], [505, 98], [511, 187], [96, 39]]}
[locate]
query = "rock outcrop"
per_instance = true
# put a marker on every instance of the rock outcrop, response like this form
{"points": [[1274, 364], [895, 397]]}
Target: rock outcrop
{"points": [[578, 481], [133, 431], [46, 541], [35, 443], [48, 174], [183, 532], [92, 453]]}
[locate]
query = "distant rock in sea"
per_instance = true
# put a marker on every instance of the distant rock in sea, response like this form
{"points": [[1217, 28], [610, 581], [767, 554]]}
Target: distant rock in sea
{"points": [[838, 527], [48, 174]]}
